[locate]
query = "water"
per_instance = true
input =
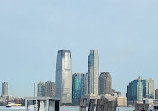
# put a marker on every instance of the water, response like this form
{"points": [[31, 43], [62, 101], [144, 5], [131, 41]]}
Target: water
{"points": [[63, 108]]}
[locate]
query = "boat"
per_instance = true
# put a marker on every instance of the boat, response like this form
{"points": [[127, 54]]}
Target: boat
{"points": [[11, 104]]}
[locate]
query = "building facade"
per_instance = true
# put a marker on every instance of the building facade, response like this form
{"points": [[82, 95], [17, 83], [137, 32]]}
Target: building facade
{"points": [[49, 89], [135, 91], [150, 89], [77, 87], [121, 101], [93, 72], [41, 89], [85, 83], [64, 76], [156, 94], [105, 83], [139, 89], [5, 89]]}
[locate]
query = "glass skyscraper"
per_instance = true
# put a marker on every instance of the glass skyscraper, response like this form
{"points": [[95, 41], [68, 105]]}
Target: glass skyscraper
{"points": [[93, 72], [77, 87], [139, 89], [135, 90], [64, 76]]}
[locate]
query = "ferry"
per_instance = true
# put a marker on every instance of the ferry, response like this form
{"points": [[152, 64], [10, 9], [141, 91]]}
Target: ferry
{"points": [[11, 104]]}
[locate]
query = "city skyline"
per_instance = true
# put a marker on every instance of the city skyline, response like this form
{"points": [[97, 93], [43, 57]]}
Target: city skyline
{"points": [[72, 73], [124, 32]]}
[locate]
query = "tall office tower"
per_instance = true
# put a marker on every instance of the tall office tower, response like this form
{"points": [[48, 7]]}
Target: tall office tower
{"points": [[105, 83], [5, 89], [77, 87], [41, 89], [156, 94], [49, 89], [64, 76], [135, 91], [93, 72]]}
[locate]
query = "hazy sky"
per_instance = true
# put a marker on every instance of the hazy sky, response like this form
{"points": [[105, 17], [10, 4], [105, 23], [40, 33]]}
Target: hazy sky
{"points": [[125, 32]]}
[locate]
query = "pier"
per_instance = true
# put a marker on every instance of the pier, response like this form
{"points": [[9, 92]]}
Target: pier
{"points": [[47, 102], [102, 104]]}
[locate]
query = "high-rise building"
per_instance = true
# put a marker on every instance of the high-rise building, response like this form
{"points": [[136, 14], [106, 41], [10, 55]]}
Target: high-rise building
{"points": [[77, 87], [41, 89], [105, 83], [150, 88], [49, 89], [156, 94], [93, 72], [139, 89], [5, 89], [64, 76], [85, 84], [135, 90]]}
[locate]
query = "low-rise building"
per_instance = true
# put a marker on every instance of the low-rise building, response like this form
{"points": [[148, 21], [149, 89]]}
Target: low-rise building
{"points": [[148, 101], [121, 101]]}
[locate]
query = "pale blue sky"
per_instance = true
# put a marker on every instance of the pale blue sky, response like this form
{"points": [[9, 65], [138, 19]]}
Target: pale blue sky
{"points": [[125, 32]]}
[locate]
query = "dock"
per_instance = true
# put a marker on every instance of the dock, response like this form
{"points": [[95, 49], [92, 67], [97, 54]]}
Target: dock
{"points": [[98, 105], [47, 102]]}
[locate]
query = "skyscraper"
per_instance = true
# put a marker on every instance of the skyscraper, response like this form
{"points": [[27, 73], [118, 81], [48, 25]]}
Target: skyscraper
{"points": [[139, 89], [64, 76], [150, 88], [5, 89], [49, 89], [77, 87], [85, 84], [135, 91], [41, 89], [93, 72], [105, 83]]}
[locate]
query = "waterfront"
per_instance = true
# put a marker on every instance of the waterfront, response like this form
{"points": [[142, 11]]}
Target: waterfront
{"points": [[63, 108]]}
